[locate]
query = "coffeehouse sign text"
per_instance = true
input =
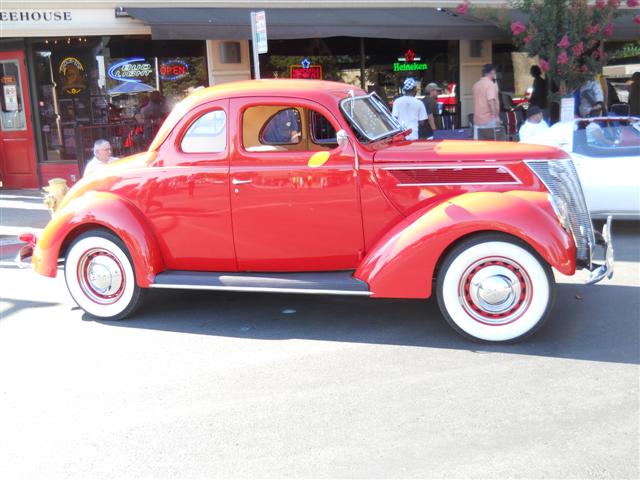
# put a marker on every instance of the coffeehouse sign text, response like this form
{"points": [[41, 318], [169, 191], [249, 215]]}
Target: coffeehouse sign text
{"points": [[21, 23], [35, 16]]}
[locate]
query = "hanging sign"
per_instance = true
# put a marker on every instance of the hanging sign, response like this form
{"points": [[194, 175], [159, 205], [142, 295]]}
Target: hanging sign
{"points": [[130, 70], [311, 72], [260, 36], [71, 73], [174, 69], [409, 63]]}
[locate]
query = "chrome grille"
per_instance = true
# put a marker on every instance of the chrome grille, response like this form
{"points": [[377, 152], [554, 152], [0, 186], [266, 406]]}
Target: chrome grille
{"points": [[561, 179]]}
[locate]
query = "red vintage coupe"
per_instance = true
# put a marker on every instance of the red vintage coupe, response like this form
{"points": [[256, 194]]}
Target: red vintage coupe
{"points": [[310, 187]]}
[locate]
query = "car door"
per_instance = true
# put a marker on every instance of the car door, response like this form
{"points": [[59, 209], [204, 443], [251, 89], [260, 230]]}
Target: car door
{"points": [[187, 199], [294, 197]]}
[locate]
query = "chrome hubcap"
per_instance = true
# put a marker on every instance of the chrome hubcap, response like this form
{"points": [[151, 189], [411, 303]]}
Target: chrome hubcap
{"points": [[495, 291], [101, 276]]}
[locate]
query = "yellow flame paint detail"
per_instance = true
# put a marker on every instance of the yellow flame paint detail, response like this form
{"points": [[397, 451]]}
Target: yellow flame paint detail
{"points": [[318, 159]]}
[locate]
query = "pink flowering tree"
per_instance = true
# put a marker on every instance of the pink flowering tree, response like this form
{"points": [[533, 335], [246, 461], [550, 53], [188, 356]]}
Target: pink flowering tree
{"points": [[566, 35]]}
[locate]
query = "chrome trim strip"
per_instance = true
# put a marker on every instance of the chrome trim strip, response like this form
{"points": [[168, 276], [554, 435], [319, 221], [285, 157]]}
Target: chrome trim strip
{"points": [[446, 184], [598, 272], [262, 289], [456, 167]]}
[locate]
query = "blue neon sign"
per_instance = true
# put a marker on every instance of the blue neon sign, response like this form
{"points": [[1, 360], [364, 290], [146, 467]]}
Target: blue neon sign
{"points": [[130, 70]]}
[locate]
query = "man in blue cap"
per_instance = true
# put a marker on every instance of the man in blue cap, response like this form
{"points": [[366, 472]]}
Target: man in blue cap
{"points": [[410, 112]]}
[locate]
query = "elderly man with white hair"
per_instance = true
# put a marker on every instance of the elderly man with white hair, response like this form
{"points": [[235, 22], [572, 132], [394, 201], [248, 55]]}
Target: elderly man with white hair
{"points": [[101, 157]]}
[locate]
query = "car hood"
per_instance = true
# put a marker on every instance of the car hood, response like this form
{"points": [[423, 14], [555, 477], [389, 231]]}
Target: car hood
{"points": [[463, 150], [105, 178]]}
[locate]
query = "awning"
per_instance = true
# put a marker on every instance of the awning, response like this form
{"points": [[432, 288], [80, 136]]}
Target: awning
{"points": [[291, 23]]}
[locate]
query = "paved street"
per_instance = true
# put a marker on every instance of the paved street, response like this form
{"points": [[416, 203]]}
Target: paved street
{"points": [[243, 385]]}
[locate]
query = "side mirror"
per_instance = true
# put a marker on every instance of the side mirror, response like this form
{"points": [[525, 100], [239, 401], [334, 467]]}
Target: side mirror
{"points": [[342, 138]]}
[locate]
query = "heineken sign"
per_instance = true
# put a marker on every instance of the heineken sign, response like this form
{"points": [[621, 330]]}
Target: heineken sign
{"points": [[406, 67], [409, 63]]}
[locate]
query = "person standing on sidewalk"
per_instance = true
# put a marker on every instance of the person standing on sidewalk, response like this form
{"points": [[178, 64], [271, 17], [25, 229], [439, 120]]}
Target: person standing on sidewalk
{"points": [[101, 157], [486, 105], [431, 104], [410, 112]]}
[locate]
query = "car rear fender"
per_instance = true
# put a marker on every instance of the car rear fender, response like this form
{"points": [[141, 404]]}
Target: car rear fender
{"points": [[403, 263], [100, 210]]}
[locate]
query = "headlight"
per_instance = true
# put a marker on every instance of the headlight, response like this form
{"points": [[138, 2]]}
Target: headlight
{"points": [[561, 210]]}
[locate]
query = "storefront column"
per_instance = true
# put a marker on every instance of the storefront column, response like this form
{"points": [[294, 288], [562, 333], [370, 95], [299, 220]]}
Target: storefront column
{"points": [[228, 61], [473, 55]]}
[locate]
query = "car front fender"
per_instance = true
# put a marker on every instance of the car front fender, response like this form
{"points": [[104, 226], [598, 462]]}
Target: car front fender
{"points": [[402, 264], [100, 210]]}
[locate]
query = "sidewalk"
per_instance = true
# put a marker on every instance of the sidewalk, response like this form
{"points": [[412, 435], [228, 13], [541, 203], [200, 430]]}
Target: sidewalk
{"points": [[20, 211]]}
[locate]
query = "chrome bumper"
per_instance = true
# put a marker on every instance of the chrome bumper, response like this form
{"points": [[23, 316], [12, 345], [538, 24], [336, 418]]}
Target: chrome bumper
{"points": [[599, 271]]}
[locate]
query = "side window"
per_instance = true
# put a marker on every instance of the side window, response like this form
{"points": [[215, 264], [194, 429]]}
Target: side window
{"points": [[208, 134], [283, 128], [322, 132]]}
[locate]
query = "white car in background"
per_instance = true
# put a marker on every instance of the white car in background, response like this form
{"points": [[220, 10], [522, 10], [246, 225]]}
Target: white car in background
{"points": [[606, 153]]}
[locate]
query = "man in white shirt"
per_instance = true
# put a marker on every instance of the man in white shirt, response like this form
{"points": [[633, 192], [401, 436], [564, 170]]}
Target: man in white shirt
{"points": [[101, 157], [534, 125], [410, 112]]}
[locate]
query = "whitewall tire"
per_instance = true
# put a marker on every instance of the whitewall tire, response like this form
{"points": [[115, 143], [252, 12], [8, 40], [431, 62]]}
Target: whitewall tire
{"points": [[495, 288], [100, 276]]}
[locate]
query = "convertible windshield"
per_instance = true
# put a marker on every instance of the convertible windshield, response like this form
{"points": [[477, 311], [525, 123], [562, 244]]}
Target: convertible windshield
{"points": [[369, 117]]}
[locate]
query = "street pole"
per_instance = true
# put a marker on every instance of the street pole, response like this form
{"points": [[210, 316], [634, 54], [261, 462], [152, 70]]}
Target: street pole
{"points": [[256, 57]]}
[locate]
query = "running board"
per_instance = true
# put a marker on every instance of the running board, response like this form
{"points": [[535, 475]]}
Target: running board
{"points": [[322, 283]]}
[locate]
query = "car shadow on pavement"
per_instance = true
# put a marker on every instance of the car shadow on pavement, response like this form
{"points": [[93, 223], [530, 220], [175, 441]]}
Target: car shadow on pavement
{"points": [[597, 323]]}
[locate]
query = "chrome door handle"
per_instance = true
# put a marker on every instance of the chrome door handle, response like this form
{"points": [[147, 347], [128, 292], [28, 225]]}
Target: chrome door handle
{"points": [[236, 181]]}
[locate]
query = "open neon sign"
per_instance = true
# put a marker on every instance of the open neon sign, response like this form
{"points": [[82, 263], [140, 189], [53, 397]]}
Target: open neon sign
{"points": [[174, 70]]}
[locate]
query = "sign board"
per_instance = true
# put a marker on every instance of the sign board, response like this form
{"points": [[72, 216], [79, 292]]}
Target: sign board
{"points": [[131, 70], [312, 72], [409, 63], [175, 69], [260, 38], [65, 22]]}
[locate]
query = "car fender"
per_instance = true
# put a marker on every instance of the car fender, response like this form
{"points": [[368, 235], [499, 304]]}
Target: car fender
{"points": [[95, 210], [402, 264]]}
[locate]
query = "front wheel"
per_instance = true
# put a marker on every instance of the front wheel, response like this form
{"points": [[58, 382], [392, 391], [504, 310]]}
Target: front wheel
{"points": [[494, 288], [100, 276]]}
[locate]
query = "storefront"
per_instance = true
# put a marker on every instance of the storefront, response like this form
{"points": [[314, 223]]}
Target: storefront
{"points": [[74, 80]]}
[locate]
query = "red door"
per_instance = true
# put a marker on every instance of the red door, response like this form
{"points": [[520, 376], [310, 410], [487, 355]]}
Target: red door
{"points": [[17, 145], [294, 207]]}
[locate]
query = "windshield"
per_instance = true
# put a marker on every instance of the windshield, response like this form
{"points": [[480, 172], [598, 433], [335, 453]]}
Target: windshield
{"points": [[369, 117], [608, 137]]}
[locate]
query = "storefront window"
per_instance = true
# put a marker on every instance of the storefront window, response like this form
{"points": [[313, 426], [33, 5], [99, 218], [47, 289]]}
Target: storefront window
{"points": [[116, 88]]}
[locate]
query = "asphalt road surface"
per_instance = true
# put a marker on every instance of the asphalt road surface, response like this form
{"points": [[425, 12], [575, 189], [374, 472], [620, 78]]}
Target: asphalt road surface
{"points": [[203, 385]]}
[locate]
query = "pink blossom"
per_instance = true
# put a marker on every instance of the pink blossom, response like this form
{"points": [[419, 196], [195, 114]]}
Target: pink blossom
{"points": [[633, 3], [517, 28], [583, 69], [608, 30], [463, 8], [596, 53], [563, 58], [527, 39], [614, 3], [544, 65], [601, 4], [636, 19], [564, 43], [592, 29], [578, 49]]}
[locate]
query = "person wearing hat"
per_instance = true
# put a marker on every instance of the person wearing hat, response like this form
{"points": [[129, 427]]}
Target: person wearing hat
{"points": [[534, 125], [431, 104], [410, 112]]}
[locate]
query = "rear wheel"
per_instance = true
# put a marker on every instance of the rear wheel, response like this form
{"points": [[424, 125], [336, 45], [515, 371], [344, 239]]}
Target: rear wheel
{"points": [[494, 288], [100, 277]]}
